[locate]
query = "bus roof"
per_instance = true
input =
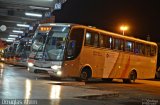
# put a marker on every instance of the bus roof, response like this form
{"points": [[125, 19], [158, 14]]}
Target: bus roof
{"points": [[101, 31], [118, 35]]}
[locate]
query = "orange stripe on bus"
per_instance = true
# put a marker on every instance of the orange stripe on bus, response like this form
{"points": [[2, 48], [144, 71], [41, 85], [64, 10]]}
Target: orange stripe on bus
{"points": [[126, 68]]}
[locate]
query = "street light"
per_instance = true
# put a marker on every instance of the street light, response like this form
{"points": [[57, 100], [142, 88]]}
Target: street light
{"points": [[124, 28]]}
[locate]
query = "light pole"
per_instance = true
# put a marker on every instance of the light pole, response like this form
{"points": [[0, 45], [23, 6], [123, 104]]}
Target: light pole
{"points": [[124, 28]]}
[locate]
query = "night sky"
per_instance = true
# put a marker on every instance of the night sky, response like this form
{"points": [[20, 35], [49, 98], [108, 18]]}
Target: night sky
{"points": [[142, 16]]}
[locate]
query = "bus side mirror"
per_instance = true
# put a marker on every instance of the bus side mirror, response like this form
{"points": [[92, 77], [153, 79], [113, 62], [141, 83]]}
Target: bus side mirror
{"points": [[71, 49]]}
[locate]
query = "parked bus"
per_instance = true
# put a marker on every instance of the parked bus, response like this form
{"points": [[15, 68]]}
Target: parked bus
{"points": [[83, 52], [22, 52], [38, 40], [9, 52], [157, 75]]}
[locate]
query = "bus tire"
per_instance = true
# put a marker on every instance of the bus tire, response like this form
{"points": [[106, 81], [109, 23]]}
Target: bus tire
{"points": [[55, 78], [132, 77], [107, 79], [85, 74]]}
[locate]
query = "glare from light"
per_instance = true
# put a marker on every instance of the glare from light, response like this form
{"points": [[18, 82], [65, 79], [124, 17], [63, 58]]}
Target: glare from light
{"points": [[110, 40], [33, 14], [63, 29], [130, 45], [40, 8], [23, 25], [30, 64], [88, 35], [13, 35], [52, 24], [18, 31], [59, 73], [124, 28], [63, 25], [55, 92], [55, 67]]}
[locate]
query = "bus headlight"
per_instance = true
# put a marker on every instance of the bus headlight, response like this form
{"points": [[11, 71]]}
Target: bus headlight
{"points": [[30, 64], [55, 67], [59, 73]]}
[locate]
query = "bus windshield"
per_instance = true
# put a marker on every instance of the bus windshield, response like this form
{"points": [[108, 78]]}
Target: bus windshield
{"points": [[53, 49], [38, 41]]}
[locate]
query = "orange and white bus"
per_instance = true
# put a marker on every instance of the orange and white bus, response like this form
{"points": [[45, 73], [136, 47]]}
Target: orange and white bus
{"points": [[84, 52]]}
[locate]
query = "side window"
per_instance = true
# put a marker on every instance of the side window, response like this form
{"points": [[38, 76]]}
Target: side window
{"points": [[139, 48], [92, 38], [118, 44], [75, 43], [147, 50], [101, 40], [88, 39], [95, 42], [105, 41], [153, 50], [121, 44], [129, 46]]}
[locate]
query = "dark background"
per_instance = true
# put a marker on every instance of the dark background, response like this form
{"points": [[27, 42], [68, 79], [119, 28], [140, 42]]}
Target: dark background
{"points": [[142, 16]]}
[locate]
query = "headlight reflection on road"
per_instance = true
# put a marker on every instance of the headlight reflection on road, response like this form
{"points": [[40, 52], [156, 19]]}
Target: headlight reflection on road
{"points": [[1, 73], [1, 65], [55, 92], [28, 89], [1, 69]]}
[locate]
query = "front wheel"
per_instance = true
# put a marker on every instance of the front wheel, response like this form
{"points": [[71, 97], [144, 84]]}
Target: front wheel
{"points": [[85, 74]]}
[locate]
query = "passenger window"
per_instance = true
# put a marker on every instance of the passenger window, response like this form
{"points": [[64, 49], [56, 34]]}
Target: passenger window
{"points": [[88, 39], [118, 44], [129, 46], [101, 41], [95, 40], [153, 50], [147, 50], [109, 41], [139, 48], [92, 38]]}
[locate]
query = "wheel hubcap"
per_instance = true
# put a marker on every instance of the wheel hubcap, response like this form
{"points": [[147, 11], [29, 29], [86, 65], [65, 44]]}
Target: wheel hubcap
{"points": [[84, 75]]}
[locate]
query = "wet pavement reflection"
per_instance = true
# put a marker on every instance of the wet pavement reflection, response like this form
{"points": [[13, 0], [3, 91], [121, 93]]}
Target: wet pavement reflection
{"points": [[17, 83]]}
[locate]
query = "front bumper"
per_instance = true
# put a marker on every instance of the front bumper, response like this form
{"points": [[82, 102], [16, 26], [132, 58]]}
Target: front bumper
{"points": [[51, 72]]}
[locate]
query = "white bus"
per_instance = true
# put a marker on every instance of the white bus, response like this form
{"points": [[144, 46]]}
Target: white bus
{"points": [[38, 40], [83, 52], [22, 52]]}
